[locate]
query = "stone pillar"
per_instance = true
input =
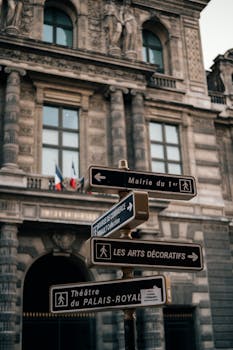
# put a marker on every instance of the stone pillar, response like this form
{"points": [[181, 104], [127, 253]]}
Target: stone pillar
{"points": [[8, 280], [118, 125], [139, 131], [11, 117], [153, 325]]}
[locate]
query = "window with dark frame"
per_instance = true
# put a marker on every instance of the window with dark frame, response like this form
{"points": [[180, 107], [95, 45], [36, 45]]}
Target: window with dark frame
{"points": [[152, 50], [58, 28], [165, 148], [60, 140]]}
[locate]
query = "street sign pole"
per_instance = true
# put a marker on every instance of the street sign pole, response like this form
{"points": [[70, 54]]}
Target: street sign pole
{"points": [[130, 330]]}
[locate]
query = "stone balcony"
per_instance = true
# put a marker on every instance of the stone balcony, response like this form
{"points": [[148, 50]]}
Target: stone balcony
{"points": [[167, 82]]}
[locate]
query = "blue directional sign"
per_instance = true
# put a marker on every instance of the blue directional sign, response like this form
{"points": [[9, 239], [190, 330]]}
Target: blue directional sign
{"points": [[158, 185], [131, 211], [139, 253], [97, 296]]}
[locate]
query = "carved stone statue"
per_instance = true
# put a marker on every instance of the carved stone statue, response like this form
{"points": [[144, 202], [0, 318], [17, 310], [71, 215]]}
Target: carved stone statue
{"points": [[121, 27], [11, 15], [113, 23], [130, 29]]}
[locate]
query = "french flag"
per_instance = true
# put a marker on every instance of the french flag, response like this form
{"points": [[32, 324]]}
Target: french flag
{"points": [[58, 179], [73, 179]]}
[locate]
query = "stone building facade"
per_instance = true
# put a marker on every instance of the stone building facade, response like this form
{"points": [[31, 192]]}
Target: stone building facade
{"points": [[93, 82]]}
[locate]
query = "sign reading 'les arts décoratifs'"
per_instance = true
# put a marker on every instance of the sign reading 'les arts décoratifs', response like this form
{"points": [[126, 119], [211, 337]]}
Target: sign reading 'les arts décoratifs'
{"points": [[138, 253]]}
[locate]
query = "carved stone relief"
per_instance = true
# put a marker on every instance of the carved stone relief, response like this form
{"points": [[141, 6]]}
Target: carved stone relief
{"points": [[95, 21], [64, 241], [71, 65], [193, 54], [16, 16]]}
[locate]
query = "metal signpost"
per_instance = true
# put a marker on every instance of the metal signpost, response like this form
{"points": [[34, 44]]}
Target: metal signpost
{"points": [[158, 185], [97, 296], [130, 212], [147, 254]]}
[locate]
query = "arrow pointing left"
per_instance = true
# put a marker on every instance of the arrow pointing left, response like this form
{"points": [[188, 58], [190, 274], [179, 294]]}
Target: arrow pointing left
{"points": [[99, 177]]}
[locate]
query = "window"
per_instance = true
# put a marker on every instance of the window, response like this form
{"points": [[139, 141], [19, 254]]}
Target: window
{"points": [[152, 50], [57, 28], [60, 140], [165, 148]]}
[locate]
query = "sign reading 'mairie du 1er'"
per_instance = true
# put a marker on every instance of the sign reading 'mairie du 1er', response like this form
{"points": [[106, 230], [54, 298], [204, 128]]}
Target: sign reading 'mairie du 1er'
{"points": [[96, 296], [139, 254], [130, 212], [159, 185]]}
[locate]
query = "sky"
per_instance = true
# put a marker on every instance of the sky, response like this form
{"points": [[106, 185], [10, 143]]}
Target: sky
{"points": [[216, 25]]}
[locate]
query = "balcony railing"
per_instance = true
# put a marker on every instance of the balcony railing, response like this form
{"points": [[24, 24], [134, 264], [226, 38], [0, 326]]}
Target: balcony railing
{"points": [[217, 97], [37, 182], [167, 82], [47, 183], [163, 82]]}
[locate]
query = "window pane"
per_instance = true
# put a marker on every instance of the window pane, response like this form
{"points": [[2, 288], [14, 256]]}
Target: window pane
{"points": [[50, 116], [63, 19], [173, 153], [144, 55], [156, 57], [49, 160], [171, 133], [158, 167], [47, 33], [50, 137], [174, 168], [67, 158], [63, 37], [157, 151], [150, 39], [70, 119], [156, 132], [152, 56], [48, 15], [70, 139]]}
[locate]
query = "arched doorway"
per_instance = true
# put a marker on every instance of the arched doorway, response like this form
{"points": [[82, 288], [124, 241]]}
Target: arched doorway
{"points": [[43, 330]]}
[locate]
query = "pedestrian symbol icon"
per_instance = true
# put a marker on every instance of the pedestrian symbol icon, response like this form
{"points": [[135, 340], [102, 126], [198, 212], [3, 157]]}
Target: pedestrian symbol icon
{"points": [[103, 251], [61, 299], [185, 185]]}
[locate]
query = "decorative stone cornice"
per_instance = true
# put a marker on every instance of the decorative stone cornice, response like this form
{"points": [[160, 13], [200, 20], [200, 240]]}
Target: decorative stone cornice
{"points": [[74, 64]]}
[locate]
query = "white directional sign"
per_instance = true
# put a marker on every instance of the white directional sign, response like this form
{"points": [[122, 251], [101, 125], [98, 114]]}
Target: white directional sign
{"points": [[158, 185], [97, 296], [131, 211], [139, 253]]}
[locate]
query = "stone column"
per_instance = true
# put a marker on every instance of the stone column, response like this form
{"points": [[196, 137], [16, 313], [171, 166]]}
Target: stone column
{"points": [[8, 280], [139, 131], [118, 125], [11, 117]]}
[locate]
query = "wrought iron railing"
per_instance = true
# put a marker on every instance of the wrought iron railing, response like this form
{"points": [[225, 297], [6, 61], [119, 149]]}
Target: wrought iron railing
{"points": [[217, 97]]}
